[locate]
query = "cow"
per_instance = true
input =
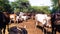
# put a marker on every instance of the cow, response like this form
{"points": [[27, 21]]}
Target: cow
{"points": [[4, 20], [55, 19], [39, 17], [19, 19], [42, 20], [13, 18], [21, 13], [23, 16]]}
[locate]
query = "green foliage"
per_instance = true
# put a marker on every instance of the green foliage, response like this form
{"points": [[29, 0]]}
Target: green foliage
{"points": [[5, 6], [56, 5], [22, 0], [22, 5], [17, 10], [44, 9]]}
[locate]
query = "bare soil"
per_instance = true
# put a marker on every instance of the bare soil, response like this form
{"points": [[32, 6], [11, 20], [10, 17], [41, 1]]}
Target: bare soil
{"points": [[30, 27]]}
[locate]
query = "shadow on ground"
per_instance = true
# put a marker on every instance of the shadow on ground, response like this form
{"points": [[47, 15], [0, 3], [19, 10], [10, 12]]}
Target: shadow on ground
{"points": [[44, 30], [15, 30]]}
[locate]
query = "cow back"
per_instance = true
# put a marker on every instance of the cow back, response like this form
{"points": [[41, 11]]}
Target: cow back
{"points": [[56, 18], [6, 17]]}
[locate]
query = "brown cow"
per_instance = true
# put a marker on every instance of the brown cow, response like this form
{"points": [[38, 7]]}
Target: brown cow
{"points": [[13, 18]]}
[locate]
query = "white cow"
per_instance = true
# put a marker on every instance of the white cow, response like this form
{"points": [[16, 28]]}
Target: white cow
{"points": [[22, 16], [19, 18], [43, 19]]}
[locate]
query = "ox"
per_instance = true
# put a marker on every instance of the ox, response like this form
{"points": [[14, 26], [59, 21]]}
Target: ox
{"points": [[42, 20], [4, 20]]}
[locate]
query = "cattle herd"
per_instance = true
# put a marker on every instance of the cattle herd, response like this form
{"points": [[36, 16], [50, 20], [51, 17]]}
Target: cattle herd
{"points": [[19, 18], [43, 20]]}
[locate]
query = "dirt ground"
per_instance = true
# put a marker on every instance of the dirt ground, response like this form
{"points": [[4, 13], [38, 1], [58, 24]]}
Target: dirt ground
{"points": [[30, 27]]}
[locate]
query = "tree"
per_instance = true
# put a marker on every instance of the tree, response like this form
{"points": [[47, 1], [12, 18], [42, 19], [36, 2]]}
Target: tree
{"points": [[56, 5], [4, 6], [22, 5], [44, 9]]}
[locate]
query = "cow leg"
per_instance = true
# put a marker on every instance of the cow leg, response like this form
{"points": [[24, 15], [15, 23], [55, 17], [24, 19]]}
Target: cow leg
{"points": [[0, 31], [36, 23], [14, 21], [26, 20], [17, 21], [7, 27], [53, 30], [4, 29], [44, 31]]}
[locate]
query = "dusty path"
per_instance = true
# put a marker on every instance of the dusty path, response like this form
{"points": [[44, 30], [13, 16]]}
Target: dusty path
{"points": [[30, 27]]}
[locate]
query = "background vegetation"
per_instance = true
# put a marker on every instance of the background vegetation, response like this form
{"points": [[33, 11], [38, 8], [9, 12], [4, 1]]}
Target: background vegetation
{"points": [[24, 6]]}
